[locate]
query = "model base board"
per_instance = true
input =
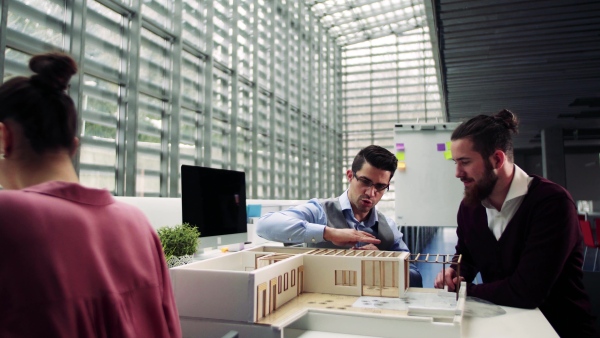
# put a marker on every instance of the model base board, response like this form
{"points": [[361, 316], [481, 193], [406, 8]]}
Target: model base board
{"points": [[282, 290]]}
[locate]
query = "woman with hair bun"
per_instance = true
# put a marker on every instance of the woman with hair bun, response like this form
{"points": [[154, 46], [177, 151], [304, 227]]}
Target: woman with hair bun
{"points": [[73, 261]]}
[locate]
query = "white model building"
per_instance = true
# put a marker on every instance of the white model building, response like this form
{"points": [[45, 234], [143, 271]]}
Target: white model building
{"points": [[276, 291]]}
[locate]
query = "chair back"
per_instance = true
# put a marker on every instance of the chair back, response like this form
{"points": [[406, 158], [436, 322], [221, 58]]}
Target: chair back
{"points": [[586, 230], [598, 231]]}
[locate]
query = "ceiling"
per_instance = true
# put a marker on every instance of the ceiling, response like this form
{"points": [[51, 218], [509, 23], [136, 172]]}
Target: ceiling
{"points": [[353, 21], [539, 59]]}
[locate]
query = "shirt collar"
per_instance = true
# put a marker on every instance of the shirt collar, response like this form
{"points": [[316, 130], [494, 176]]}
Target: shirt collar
{"points": [[518, 187], [347, 208]]}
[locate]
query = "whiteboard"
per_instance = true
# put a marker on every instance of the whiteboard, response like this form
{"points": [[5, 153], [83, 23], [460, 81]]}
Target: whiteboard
{"points": [[427, 192]]}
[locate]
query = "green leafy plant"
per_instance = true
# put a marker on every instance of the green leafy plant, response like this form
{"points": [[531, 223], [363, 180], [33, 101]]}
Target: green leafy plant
{"points": [[179, 240]]}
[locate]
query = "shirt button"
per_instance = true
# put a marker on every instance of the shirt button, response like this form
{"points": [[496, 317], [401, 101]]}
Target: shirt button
{"points": [[313, 240]]}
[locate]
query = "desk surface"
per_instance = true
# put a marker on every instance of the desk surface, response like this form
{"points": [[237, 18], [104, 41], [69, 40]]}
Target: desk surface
{"points": [[515, 323]]}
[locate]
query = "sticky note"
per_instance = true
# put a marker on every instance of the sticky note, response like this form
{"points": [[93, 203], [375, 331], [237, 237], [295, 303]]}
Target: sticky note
{"points": [[253, 210], [448, 145], [401, 165], [441, 146], [399, 146], [448, 154], [400, 155]]}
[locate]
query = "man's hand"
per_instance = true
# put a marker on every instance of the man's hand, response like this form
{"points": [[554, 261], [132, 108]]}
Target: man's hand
{"points": [[367, 247], [348, 237], [449, 279]]}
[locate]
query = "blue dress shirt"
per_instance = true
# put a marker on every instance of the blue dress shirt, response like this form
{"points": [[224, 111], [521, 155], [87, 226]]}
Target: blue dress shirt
{"points": [[306, 223]]}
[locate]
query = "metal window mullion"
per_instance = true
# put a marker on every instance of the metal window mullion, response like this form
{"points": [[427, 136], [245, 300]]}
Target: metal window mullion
{"points": [[339, 146], [255, 104], [311, 155], [288, 110], [301, 172], [130, 116], [371, 95], [320, 111], [329, 125], [208, 86], [398, 77], [272, 104], [3, 29], [233, 150], [122, 104], [74, 37], [176, 89], [344, 118]]}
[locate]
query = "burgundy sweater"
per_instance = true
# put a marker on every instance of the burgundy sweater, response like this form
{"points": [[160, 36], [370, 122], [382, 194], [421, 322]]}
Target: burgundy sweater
{"points": [[76, 263], [535, 263]]}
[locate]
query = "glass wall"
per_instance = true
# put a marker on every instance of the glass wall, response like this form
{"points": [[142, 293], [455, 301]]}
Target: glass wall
{"points": [[252, 85], [386, 81]]}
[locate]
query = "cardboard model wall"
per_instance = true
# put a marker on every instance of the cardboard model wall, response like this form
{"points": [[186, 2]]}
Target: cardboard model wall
{"points": [[248, 285]]}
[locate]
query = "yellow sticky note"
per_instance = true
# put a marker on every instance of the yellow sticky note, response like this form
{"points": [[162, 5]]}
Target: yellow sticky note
{"points": [[401, 165], [400, 155], [448, 144], [448, 154]]}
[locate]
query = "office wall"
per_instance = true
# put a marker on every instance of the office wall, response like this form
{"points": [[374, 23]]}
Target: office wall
{"points": [[583, 174]]}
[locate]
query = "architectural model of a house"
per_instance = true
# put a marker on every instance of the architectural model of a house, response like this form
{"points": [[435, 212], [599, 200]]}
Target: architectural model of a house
{"points": [[282, 289]]}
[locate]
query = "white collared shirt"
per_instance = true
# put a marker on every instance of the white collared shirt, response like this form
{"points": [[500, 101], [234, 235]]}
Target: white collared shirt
{"points": [[498, 220]]}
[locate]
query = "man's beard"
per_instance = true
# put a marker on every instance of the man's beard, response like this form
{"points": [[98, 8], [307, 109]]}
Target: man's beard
{"points": [[483, 188]]}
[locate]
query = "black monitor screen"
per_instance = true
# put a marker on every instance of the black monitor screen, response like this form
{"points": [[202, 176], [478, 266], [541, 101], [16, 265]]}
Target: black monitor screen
{"points": [[213, 200]]}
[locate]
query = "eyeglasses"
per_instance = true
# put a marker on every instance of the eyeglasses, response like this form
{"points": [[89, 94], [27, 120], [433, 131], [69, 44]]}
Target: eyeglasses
{"points": [[367, 183]]}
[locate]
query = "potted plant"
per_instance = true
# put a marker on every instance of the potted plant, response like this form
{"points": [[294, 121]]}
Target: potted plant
{"points": [[179, 243]]}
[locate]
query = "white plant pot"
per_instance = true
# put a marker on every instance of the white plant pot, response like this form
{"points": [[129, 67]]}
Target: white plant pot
{"points": [[174, 261]]}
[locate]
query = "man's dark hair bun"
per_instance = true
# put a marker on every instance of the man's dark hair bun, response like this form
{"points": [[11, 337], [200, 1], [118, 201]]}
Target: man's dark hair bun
{"points": [[508, 119], [53, 70]]}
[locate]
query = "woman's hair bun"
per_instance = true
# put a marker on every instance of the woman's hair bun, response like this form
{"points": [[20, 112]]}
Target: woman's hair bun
{"points": [[53, 70]]}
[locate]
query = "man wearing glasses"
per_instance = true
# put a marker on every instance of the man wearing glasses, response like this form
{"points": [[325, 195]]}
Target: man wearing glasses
{"points": [[348, 221]]}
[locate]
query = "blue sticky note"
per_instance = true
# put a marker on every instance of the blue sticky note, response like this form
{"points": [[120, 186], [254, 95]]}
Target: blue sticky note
{"points": [[441, 146], [253, 210]]}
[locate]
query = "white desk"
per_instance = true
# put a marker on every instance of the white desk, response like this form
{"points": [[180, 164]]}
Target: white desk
{"points": [[514, 323]]}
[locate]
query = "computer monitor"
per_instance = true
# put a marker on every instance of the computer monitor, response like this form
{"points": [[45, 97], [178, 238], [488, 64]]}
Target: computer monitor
{"points": [[214, 201]]}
